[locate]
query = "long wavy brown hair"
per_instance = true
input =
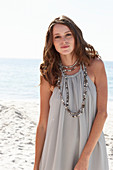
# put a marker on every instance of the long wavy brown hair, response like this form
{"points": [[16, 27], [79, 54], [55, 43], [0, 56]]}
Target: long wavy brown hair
{"points": [[51, 58]]}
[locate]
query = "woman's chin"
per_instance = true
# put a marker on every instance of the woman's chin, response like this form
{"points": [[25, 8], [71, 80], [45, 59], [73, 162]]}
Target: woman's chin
{"points": [[66, 52]]}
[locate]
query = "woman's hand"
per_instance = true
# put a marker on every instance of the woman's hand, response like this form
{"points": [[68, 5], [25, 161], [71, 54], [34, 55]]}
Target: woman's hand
{"points": [[82, 164]]}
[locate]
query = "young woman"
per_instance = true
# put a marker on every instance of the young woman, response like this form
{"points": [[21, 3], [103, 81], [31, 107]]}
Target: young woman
{"points": [[73, 102]]}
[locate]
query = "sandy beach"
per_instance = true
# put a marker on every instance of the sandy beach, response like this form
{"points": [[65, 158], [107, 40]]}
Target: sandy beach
{"points": [[18, 123]]}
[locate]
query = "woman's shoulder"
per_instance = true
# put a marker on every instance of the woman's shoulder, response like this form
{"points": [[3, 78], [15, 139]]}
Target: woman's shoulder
{"points": [[96, 69], [97, 62], [44, 83], [96, 65]]}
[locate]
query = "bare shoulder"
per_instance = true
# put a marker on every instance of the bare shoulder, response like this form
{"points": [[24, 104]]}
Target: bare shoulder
{"points": [[43, 81], [100, 80], [96, 65], [45, 92], [96, 70]]}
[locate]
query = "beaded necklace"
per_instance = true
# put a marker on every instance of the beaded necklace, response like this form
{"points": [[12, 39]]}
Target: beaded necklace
{"points": [[85, 84], [72, 67]]}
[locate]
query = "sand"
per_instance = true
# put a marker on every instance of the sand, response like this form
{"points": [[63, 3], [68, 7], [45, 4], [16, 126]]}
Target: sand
{"points": [[18, 123]]}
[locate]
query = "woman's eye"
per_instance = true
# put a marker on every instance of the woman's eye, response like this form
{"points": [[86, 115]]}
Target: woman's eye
{"points": [[57, 37], [68, 35]]}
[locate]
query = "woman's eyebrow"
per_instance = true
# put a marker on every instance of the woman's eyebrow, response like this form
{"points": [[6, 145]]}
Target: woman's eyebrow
{"points": [[67, 31], [57, 34]]}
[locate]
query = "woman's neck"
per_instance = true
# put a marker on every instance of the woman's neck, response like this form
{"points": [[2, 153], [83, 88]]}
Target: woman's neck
{"points": [[68, 60]]}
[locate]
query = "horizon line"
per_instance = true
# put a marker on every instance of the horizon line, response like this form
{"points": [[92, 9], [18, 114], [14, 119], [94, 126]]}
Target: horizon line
{"points": [[38, 58]]}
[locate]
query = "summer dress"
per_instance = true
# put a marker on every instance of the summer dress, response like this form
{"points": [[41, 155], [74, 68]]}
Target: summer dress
{"points": [[66, 136]]}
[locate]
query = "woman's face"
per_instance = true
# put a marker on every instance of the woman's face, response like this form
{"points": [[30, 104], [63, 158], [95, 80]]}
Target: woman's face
{"points": [[63, 39]]}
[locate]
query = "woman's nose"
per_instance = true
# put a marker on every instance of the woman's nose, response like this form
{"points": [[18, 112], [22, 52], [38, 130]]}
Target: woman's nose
{"points": [[64, 40]]}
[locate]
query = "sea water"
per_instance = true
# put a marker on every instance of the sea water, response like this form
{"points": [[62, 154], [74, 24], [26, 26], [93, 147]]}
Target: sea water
{"points": [[20, 78]]}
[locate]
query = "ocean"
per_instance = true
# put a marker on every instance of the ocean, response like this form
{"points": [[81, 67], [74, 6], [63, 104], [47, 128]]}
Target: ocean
{"points": [[20, 78]]}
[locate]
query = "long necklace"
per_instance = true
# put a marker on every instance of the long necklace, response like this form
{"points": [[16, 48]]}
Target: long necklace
{"points": [[85, 84]]}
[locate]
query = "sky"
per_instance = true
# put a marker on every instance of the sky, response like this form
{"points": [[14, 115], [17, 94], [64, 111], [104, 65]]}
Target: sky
{"points": [[24, 23]]}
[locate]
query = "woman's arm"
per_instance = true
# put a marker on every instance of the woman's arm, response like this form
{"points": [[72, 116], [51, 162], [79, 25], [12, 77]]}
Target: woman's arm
{"points": [[45, 95], [96, 130]]}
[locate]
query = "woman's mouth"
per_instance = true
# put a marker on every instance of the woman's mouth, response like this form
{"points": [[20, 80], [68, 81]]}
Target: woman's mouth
{"points": [[65, 46]]}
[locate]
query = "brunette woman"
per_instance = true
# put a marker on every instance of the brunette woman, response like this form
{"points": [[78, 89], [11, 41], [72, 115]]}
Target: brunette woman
{"points": [[73, 102]]}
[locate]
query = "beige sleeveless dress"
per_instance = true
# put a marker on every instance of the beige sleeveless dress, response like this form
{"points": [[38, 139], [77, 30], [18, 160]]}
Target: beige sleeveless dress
{"points": [[66, 136]]}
